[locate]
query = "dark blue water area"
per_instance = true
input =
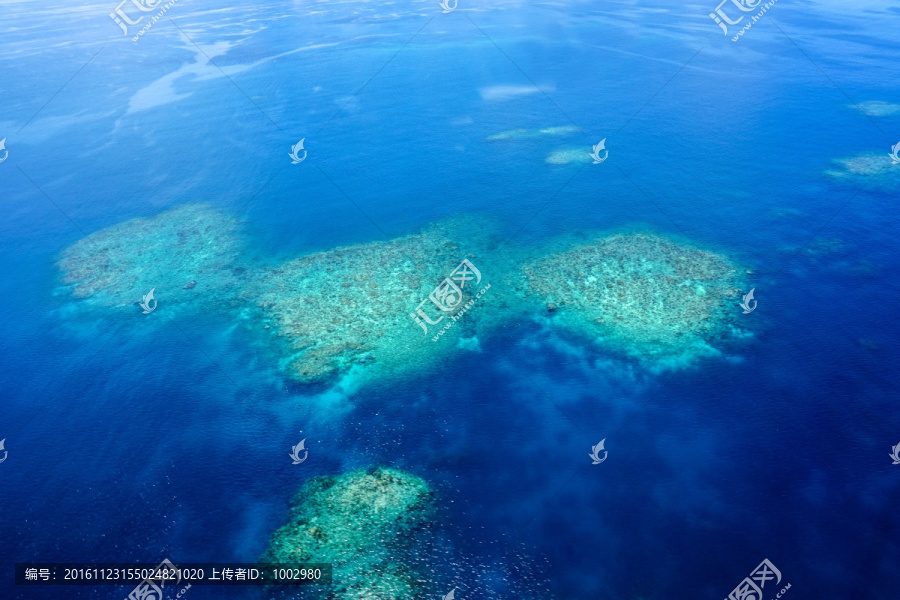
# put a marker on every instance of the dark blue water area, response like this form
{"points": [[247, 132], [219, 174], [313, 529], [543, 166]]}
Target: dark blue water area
{"points": [[137, 439]]}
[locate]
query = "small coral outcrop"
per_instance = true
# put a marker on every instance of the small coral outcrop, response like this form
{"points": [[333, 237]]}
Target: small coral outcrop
{"points": [[656, 300], [366, 524]]}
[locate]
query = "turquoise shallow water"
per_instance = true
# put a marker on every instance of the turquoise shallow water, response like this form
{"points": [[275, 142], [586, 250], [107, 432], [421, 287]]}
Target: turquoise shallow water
{"points": [[133, 439]]}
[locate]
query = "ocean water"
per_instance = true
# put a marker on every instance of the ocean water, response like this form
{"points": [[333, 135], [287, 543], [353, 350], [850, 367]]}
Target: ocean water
{"points": [[133, 438]]}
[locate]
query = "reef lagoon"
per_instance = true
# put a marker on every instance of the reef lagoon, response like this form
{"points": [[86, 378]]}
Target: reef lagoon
{"points": [[470, 301]]}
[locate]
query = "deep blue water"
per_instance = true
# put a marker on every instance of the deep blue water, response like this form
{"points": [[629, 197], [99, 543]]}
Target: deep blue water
{"points": [[139, 439]]}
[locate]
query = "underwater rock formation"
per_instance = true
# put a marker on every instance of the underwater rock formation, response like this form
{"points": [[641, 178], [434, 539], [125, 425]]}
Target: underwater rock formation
{"points": [[530, 134], [657, 301], [187, 254], [365, 523], [357, 305]]}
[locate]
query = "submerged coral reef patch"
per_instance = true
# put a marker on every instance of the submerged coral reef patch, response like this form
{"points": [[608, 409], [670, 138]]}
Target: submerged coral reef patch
{"points": [[365, 523], [187, 254], [877, 169], [387, 538], [356, 305], [565, 156], [877, 108], [531, 134], [656, 300]]}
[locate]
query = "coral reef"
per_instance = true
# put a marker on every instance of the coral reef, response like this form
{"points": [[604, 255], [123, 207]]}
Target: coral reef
{"points": [[565, 156], [878, 169], [660, 302], [187, 254], [352, 305], [530, 134], [399, 307], [365, 523], [878, 108]]}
